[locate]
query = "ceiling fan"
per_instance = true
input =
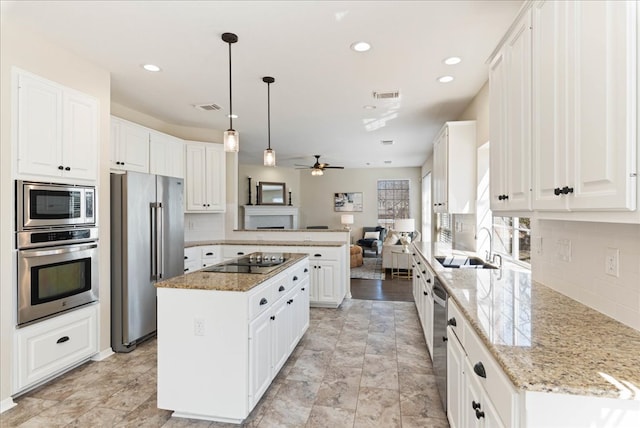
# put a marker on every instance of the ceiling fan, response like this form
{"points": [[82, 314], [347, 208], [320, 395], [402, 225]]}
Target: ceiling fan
{"points": [[318, 167]]}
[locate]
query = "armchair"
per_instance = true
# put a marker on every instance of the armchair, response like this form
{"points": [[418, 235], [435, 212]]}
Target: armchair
{"points": [[372, 238], [392, 244]]}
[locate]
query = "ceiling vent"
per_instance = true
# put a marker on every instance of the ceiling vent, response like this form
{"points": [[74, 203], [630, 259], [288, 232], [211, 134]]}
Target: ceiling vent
{"points": [[208, 107], [390, 95], [386, 142]]}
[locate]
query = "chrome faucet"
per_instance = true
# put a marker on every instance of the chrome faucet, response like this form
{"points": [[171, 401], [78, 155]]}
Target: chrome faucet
{"points": [[489, 255]]}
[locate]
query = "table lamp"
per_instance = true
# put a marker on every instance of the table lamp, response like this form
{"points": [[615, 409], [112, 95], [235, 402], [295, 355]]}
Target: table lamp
{"points": [[405, 226], [347, 221]]}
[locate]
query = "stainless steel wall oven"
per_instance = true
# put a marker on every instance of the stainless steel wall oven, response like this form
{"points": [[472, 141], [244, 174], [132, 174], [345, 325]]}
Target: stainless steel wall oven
{"points": [[57, 245]]}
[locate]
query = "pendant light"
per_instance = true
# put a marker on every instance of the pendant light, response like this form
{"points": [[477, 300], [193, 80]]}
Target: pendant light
{"points": [[269, 153], [231, 137]]}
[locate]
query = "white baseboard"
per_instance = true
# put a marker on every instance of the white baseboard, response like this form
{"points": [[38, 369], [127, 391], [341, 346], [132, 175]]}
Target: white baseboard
{"points": [[104, 354], [7, 404]]}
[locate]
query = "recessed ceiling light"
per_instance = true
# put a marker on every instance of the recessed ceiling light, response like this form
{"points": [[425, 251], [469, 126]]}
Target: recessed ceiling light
{"points": [[452, 60], [387, 161], [151, 67], [445, 79], [369, 107], [360, 46]]}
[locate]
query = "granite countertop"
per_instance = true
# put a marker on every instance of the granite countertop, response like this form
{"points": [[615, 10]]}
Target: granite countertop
{"points": [[264, 243], [221, 281], [543, 340]]}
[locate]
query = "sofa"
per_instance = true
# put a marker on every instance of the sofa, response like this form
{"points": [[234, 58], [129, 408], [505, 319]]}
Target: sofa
{"points": [[392, 243], [372, 239]]}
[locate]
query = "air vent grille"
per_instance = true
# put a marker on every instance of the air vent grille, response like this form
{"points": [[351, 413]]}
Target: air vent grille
{"points": [[389, 95], [386, 142], [208, 107]]}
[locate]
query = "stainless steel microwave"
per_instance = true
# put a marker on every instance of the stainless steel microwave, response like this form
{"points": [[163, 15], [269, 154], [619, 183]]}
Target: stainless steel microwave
{"points": [[47, 205]]}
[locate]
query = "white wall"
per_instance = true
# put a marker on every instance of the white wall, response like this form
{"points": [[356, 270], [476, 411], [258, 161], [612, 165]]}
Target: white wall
{"points": [[37, 55], [317, 195], [289, 176], [584, 278]]}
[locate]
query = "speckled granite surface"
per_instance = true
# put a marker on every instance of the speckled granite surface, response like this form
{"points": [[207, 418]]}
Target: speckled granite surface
{"points": [[226, 281], [267, 243], [543, 340]]}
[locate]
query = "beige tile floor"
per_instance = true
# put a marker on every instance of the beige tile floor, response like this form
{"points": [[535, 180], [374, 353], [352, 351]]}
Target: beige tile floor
{"points": [[362, 365]]}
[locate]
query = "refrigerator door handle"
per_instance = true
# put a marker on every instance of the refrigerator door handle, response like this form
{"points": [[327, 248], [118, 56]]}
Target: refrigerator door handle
{"points": [[154, 241], [160, 241]]}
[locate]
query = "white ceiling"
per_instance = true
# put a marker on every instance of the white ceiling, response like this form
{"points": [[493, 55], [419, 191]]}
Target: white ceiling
{"points": [[321, 85]]}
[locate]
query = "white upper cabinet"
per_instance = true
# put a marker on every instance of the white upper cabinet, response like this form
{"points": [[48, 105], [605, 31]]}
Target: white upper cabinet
{"points": [[166, 155], [454, 168], [205, 166], [57, 130], [129, 146], [510, 116], [584, 90]]}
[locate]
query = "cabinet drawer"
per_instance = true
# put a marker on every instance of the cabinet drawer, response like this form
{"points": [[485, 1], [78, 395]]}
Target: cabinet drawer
{"points": [[324, 253], [210, 251], [51, 346], [453, 313], [191, 253], [233, 251], [261, 300], [191, 266], [498, 386]]}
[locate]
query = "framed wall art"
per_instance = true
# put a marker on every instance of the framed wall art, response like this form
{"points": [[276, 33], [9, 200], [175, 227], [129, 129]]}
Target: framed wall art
{"points": [[347, 201]]}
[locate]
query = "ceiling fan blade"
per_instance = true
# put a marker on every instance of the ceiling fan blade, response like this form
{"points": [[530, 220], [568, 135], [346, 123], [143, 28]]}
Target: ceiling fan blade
{"points": [[333, 167]]}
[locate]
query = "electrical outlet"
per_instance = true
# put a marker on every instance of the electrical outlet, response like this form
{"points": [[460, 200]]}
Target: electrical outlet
{"points": [[198, 327], [612, 261], [564, 250]]}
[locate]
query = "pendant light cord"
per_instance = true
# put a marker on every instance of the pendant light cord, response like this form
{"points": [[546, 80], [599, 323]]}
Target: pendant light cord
{"points": [[230, 90], [269, 115]]}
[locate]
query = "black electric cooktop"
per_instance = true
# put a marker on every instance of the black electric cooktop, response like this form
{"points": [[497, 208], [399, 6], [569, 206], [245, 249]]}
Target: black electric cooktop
{"points": [[259, 263]]}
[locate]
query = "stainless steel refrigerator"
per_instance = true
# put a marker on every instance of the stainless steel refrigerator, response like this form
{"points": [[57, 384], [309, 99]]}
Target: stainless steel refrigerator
{"points": [[147, 245]]}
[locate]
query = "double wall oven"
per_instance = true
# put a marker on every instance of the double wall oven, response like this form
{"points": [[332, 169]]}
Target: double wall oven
{"points": [[57, 243]]}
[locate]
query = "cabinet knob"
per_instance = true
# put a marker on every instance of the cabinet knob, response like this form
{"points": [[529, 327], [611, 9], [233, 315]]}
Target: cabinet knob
{"points": [[209, 254], [452, 322], [444, 338], [424, 272], [63, 339], [479, 414], [60, 167], [428, 280], [425, 293], [475, 406], [566, 190], [479, 370], [317, 255], [557, 191], [281, 288], [417, 276], [263, 301], [306, 270], [240, 253], [295, 278], [302, 289], [67, 168], [272, 317], [289, 301]]}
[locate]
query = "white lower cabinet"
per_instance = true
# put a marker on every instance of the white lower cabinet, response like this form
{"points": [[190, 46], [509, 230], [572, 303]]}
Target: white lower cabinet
{"points": [[52, 346], [328, 286], [478, 393], [422, 284], [218, 351]]}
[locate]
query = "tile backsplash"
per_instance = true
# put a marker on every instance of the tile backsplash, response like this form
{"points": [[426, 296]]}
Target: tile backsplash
{"points": [[203, 227], [572, 258]]}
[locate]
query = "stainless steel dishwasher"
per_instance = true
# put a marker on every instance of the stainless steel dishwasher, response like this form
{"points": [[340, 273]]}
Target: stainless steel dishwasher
{"points": [[440, 339]]}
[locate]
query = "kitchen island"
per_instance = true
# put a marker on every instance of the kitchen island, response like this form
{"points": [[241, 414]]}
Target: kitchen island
{"points": [[222, 337], [550, 361]]}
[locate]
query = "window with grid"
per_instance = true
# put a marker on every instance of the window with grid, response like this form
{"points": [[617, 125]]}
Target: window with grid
{"points": [[393, 201], [512, 237]]}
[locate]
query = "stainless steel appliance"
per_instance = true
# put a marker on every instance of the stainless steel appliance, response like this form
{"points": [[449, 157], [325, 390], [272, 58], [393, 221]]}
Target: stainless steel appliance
{"points": [[44, 205], [259, 263], [147, 245], [57, 271], [440, 297]]}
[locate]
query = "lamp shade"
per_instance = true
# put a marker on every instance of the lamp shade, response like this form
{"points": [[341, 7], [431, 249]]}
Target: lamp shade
{"points": [[346, 218], [405, 225]]}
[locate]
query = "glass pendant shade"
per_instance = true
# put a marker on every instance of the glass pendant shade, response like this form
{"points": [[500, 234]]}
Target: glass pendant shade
{"points": [[231, 140], [316, 172], [269, 157]]}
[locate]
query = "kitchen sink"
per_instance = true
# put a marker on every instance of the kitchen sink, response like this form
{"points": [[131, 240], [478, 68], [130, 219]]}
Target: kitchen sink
{"points": [[464, 262]]}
